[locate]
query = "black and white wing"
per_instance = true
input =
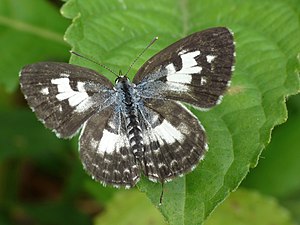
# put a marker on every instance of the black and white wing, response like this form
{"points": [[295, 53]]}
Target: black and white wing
{"points": [[64, 96], [196, 69], [174, 140], [67, 97], [105, 150]]}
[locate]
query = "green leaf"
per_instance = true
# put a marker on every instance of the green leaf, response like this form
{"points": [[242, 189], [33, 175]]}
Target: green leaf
{"points": [[130, 207], [30, 31], [293, 205], [56, 213], [245, 207], [267, 71], [17, 142], [278, 172]]}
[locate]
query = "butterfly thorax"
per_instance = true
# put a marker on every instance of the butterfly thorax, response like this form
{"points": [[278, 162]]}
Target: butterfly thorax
{"points": [[129, 101]]}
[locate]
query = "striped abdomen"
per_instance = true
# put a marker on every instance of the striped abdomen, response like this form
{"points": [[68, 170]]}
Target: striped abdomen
{"points": [[130, 114]]}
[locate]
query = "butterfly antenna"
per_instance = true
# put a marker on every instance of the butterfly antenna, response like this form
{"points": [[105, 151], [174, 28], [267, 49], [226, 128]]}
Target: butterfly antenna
{"points": [[148, 46], [93, 61]]}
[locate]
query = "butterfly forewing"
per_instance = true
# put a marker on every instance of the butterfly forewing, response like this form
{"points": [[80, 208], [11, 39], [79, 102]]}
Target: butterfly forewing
{"points": [[64, 96], [196, 69]]}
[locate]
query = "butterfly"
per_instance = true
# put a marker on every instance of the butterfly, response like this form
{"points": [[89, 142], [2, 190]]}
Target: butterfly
{"points": [[141, 127]]}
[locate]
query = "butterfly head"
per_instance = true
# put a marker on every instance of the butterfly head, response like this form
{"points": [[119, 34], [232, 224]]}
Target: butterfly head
{"points": [[121, 79]]}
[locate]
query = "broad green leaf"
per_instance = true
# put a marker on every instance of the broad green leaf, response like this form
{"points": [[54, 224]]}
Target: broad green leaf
{"points": [[245, 207], [278, 172], [267, 71], [30, 31], [130, 207]]}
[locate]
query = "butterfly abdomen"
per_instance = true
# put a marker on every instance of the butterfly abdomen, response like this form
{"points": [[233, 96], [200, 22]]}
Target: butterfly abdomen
{"points": [[130, 114]]}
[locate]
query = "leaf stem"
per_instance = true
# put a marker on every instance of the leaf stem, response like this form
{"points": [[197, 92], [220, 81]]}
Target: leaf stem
{"points": [[18, 25], [184, 9]]}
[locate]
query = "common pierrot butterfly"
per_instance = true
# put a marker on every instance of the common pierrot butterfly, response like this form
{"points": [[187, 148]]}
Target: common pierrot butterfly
{"points": [[139, 127]]}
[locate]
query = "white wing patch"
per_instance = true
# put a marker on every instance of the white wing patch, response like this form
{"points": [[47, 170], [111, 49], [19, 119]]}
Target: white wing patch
{"points": [[210, 58], [177, 79], [110, 142], [168, 133], [45, 91], [66, 92], [189, 64], [203, 81], [107, 142]]}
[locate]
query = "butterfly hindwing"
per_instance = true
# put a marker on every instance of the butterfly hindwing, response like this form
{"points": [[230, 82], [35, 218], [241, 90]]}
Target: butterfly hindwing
{"points": [[196, 69], [174, 140], [105, 150], [64, 96]]}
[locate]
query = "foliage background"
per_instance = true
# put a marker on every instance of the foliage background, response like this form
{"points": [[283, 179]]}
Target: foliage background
{"points": [[41, 177]]}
